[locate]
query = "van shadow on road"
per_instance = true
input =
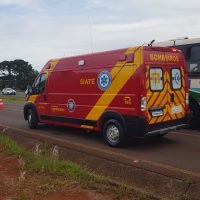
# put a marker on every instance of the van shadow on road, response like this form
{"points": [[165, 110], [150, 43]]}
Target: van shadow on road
{"points": [[95, 138]]}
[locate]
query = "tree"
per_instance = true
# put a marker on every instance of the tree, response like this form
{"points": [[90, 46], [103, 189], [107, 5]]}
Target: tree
{"points": [[6, 68], [19, 71]]}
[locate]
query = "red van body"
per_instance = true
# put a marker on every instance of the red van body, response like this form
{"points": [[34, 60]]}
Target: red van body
{"points": [[137, 92]]}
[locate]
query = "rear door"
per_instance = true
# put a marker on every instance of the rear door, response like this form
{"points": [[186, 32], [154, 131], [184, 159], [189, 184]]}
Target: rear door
{"points": [[157, 93], [177, 93], [165, 88]]}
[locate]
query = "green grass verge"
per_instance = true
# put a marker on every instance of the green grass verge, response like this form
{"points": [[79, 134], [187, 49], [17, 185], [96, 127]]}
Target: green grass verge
{"points": [[13, 99], [45, 163]]}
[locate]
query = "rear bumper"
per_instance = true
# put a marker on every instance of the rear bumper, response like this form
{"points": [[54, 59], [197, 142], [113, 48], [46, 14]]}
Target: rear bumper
{"points": [[166, 130], [138, 126]]}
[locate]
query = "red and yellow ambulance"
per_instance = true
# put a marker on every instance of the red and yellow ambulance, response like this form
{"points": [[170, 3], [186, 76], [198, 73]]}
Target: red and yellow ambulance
{"points": [[133, 92]]}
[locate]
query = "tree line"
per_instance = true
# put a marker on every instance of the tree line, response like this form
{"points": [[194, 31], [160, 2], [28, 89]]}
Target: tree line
{"points": [[17, 73]]}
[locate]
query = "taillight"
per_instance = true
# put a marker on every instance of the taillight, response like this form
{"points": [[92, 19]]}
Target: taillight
{"points": [[143, 105], [187, 98]]}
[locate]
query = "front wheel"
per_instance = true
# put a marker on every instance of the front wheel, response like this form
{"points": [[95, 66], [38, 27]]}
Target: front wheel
{"points": [[114, 133], [32, 119]]}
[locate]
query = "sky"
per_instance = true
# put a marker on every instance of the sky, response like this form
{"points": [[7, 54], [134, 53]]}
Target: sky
{"points": [[39, 30]]}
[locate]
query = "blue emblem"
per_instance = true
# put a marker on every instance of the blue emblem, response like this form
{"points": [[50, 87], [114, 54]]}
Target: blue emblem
{"points": [[71, 105], [177, 78], [104, 80]]}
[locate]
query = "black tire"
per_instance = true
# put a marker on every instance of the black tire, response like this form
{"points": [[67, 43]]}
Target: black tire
{"points": [[114, 134], [195, 115], [32, 119]]}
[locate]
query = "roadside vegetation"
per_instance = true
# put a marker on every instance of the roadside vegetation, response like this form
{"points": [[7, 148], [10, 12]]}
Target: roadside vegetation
{"points": [[52, 174], [12, 99]]}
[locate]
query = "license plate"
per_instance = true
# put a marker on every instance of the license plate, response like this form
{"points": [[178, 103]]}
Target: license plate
{"points": [[157, 113]]}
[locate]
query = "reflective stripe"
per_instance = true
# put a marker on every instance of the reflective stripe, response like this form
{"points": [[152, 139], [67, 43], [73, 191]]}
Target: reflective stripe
{"points": [[164, 98], [120, 79], [32, 98]]}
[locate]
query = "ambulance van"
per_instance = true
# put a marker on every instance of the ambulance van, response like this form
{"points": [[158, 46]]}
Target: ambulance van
{"points": [[134, 92]]}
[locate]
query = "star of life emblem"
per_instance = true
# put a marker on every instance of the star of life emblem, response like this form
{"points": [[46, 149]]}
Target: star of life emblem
{"points": [[104, 80]]}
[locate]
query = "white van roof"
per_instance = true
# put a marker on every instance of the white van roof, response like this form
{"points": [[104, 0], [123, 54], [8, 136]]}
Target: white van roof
{"points": [[177, 42]]}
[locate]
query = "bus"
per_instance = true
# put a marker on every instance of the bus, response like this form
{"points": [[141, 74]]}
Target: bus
{"points": [[191, 51]]}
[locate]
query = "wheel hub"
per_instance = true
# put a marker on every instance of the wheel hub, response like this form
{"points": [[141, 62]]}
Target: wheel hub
{"points": [[113, 133], [29, 118]]}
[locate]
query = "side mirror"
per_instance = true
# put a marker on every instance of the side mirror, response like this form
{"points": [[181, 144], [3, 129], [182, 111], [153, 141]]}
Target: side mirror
{"points": [[29, 90]]}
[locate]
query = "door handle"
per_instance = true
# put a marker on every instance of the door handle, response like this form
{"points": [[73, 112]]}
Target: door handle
{"points": [[172, 97]]}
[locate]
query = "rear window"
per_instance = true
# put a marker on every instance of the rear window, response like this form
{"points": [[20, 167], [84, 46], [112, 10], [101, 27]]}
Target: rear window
{"points": [[176, 79], [156, 79]]}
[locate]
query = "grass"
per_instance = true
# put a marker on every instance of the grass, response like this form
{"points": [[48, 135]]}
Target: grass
{"points": [[43, 162], [12, 99]]}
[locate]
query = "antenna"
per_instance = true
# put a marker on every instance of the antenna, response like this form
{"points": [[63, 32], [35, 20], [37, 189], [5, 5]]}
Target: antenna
{"points": [[91, 35], [150, 44]]}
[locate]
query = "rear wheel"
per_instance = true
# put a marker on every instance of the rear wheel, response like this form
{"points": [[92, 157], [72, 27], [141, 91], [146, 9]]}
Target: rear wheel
{"points": [[32, 119], [195, 115], [114, 134]]}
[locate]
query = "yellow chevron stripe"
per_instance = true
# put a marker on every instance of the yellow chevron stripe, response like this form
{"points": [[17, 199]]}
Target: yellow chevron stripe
{"points": [[183, 79], [178, 97], [118, 83], [32, 98], [53, 64], [172, 116], [159, 98], [153, 99], [148, 85], [166, 118], [159, 119], [116, 69]]}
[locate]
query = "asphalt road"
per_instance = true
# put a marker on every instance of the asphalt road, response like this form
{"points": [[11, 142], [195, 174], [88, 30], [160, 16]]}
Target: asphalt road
{"points": [[178, 149]]}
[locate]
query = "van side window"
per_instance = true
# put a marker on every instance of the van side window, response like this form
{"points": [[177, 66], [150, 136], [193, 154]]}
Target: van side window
{"points": [[176, 79], [39, 85], [156, 79]]}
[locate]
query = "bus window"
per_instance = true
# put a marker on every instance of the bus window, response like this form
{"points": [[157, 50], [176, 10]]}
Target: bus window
{"points": [[193, 61], [182, 48], [195, 53]]}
